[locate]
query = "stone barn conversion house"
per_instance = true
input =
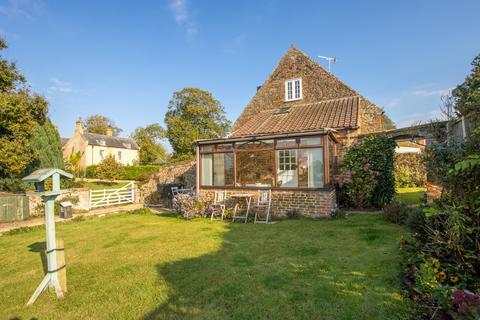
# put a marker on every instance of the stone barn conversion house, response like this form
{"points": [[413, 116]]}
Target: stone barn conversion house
{"points": [[288, 138], [95, 147]]}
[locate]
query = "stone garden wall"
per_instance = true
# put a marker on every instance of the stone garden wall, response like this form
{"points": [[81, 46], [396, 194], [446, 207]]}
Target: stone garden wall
{"points": [[183, 173]]}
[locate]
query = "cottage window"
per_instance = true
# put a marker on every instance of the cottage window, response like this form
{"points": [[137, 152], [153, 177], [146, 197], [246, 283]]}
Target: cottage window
{"points": [[102, 154], [293, 89], [119, 155]]}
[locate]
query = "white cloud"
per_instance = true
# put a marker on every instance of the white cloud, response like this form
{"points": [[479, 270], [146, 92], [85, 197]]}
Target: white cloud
{"points": [[182, 15], [420, 117], [60, 86], [22, 8], [432, 92]]}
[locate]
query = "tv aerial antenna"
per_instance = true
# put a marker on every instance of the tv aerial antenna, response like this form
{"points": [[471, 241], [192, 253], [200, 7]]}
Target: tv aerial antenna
{"points": [[330, 61]]}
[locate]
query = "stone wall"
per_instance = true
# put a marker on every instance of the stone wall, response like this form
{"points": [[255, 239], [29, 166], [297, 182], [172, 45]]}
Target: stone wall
{"points": [[184, 173], [83, 195], [311, 203]]}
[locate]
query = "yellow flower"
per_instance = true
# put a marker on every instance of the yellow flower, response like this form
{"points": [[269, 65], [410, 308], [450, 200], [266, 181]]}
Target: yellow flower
{"points": [[442, 275], [454, 279]]}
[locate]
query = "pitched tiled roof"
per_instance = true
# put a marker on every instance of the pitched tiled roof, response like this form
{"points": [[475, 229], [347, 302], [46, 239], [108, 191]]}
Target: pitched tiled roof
{"points": [[335, 114], [110, 141]]}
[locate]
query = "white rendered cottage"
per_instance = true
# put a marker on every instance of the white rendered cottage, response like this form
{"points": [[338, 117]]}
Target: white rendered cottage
{"points": [[96, 147]]}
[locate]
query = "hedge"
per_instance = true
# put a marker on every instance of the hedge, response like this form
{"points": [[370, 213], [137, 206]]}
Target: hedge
{"points": [[409, 170], [138, 172]]}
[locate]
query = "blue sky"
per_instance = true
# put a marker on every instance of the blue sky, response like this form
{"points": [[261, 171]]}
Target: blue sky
{"points": [[124, 59]]}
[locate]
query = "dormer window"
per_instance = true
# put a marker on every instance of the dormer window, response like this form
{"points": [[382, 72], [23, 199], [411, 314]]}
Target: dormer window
{"points": [[293, 89]]}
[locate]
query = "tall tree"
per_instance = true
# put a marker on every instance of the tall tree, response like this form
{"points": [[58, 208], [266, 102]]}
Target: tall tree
{"points": [[99, 124], [46, 142], [193, 114], [21, 112], [149, 141], [467, 96], [10, 77]]}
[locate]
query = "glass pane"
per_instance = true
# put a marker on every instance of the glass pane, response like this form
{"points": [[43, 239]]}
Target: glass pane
{"points": [[287, 168], [206, 168], [228, 168], [286, 143], [253, 145], [208, 148], [218, 169], [310, 168], [255, 168], [311, 141], [225, 146]]}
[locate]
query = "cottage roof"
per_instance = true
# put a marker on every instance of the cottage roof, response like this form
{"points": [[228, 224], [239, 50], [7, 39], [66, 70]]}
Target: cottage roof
{"points": [[110, 141], [334, 113]]}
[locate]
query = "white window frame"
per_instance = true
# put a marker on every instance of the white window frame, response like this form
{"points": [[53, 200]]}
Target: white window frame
{"points": [[294, 91]]}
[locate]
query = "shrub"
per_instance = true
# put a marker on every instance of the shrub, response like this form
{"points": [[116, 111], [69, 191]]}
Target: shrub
{"points": [[139, 173], [190, 206], [140, 211], [415, 219], [109, 169], [395, 212], [367, 173], [134, 172], [409, 170]]}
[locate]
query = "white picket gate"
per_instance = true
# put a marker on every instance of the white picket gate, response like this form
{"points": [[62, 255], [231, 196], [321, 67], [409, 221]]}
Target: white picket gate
{"points": [[112, 197]]}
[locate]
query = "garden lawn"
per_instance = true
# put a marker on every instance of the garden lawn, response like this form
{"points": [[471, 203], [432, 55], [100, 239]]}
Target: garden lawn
{"points": [[412, 196], [132, 266]]}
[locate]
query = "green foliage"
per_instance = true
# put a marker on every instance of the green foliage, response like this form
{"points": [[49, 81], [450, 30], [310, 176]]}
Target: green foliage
{"points": [[109, 169], [73, 164], [395, 212], [140, 211], [193, 114], [46, 142], [149, 141], [367, 173], [20, 114], [12, 184], [138, 173], [100, 124], [10, 77], [409, 170], [467, 96]]}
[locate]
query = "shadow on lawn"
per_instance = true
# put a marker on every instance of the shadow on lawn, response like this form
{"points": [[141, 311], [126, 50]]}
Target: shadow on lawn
{"points": [[273, 274], [41, 248]]}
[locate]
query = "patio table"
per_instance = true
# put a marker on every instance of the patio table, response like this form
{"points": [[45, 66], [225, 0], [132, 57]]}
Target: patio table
{"points": [[238, 197]]}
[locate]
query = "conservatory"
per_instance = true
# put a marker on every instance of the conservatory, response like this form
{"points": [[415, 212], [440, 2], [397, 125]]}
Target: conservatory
{"points": [[296, 167]]}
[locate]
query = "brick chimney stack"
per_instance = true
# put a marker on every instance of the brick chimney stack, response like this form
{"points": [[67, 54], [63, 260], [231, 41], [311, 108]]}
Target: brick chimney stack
{"points": [[79, 126]]}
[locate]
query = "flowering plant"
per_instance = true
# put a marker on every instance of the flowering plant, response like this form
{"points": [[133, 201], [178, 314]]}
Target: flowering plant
{"points": [[190, 206], [467, 304]]}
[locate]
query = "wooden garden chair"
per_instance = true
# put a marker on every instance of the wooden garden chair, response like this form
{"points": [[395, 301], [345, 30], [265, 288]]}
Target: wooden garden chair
{"points": [[264, 203], [219, 204]]}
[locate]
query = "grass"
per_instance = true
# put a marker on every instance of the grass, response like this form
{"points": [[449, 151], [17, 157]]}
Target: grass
{"points": [[412, 196], [145, 266], [100, 185]]}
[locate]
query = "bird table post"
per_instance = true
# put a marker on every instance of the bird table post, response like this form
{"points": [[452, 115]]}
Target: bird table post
{"points": [[51, 279]]}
